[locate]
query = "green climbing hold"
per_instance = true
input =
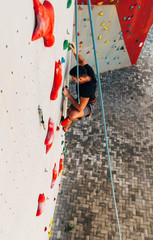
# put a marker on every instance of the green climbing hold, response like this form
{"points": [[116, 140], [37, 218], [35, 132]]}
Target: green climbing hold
{"points": [[69, 2], [66, 134], [137, 40], [128, 26], [130, 33], [138, 7], [69, 46], [65, 44], [64, 149], [62, 142], [124, 18]]}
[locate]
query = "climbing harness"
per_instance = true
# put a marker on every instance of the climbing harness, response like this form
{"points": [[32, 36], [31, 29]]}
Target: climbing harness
{"points": [[103, 114], [76, 33]]}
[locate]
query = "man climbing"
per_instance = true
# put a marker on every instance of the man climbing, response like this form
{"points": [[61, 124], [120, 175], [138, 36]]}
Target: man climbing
{"points": [[87, 88]]}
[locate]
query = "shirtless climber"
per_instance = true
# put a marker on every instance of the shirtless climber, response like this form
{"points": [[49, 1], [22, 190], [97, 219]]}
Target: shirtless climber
{"points": [[87, 88]]}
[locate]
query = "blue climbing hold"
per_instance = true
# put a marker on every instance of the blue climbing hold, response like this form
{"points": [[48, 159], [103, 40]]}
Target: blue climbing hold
{"points": [[62, 60]]}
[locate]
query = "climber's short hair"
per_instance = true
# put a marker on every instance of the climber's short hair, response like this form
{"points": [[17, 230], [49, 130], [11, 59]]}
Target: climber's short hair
{"points": [[82, 71]]}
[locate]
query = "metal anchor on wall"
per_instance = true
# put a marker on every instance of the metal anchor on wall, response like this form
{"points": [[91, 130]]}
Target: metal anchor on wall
{"points": [[40, 113]]}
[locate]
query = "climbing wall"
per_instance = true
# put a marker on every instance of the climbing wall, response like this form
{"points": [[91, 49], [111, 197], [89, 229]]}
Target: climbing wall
{"points": [[120, 28], [27, 75]]}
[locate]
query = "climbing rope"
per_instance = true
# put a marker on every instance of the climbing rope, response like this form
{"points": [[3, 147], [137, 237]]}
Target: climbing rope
{"points": [[103, 114], [76, 33]]}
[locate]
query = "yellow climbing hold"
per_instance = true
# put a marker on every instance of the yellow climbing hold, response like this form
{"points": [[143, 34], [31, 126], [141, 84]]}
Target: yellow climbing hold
{"points": [[80, 45], [99, 37], [93, 66], [103, 24], [111, 0], [97, 53], [101, 58], [101, 13], [61, 173], [106, 42], [51, 220], [106, 28], [50, 225], [49, 235]]}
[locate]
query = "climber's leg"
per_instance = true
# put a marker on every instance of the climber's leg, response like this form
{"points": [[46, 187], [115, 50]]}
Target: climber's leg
{"points": [[73, 116]]}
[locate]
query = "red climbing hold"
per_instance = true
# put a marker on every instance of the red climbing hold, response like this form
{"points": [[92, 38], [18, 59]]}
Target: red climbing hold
{"points": [[50, 135], [65, 122], [61, 163], [45, 22], [60, 168], [57, 129], [62, 158], [57, 80], [54, 176], [41, 204], [81, 42], [45, 229]]}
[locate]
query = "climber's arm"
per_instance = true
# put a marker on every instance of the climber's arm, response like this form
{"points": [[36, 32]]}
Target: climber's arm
{"points": [[81, 60], [83, 101]]}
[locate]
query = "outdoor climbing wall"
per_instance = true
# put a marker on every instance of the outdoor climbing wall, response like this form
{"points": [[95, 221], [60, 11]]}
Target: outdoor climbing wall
{"points": [[27, 76], [120, 28]]}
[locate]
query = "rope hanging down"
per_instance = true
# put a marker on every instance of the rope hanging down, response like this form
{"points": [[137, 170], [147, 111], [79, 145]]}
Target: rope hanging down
{"points": [[76, 33], [103, 114]]}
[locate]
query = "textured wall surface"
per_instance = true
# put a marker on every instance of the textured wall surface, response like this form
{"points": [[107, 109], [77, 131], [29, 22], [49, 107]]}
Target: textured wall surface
{"points": [[120, 27], [111, 50], [27, 73]]}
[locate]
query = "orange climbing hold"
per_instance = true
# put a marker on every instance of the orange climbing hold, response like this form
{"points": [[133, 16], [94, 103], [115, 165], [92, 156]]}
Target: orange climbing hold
{"points": [[100, 3], [54, 176], [57, 80], [50, 135], [45, 22], [41, 204]]}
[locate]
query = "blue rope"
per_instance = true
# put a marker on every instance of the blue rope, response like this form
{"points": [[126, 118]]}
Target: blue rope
{"points": [[76, 33], [103, 114]]}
